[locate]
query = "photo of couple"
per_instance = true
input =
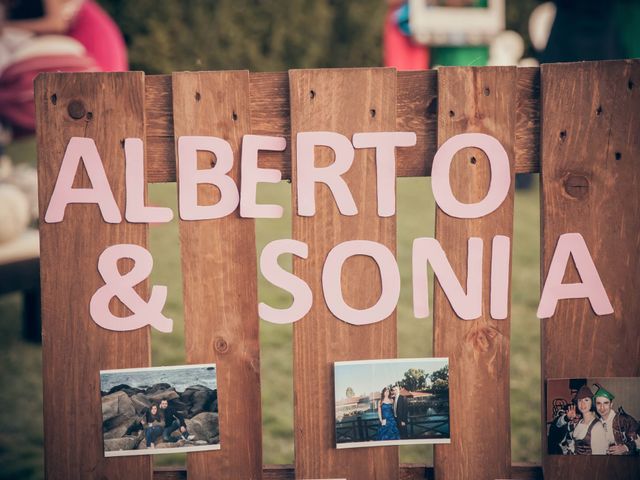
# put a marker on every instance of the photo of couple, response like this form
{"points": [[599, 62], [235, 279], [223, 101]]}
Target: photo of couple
{"points": [[593, 420], [393, 412], [159, 410], [163, 420], [411, 407]]}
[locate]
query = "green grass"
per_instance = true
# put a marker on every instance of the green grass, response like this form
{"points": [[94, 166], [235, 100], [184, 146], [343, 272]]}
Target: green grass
{"points": [[21, 439]]}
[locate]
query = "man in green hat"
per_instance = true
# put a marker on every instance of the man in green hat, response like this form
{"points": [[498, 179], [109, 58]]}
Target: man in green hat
{"points": [[621, 428]]}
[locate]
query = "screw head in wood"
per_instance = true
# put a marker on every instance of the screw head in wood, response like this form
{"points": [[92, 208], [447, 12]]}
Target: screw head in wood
{"points": [[76, 109], [576, 186]]}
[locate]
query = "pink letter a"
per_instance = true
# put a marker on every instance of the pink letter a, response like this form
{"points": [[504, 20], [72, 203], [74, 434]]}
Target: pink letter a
{"points": [[591, 286], [80, 148]]}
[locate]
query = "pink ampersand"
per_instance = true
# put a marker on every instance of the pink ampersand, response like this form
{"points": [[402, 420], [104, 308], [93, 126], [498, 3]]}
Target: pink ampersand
{"points": [[121, 286]]}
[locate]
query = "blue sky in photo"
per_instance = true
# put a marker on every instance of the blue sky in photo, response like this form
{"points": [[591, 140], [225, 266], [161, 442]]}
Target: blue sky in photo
{"points": [[367, 377]]}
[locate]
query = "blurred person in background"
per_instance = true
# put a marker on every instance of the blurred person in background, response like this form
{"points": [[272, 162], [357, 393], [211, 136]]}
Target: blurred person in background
{"points": [[82, 20], [399, 49], [51, 36]]}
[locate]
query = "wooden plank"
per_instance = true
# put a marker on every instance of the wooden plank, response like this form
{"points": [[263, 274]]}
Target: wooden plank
{"points": [[527, 143], [74, 348], [220, 280], [475, 100], [270, 116], [590, 178], [159, 146], [339, 101], [417, 104], [417, 111], [407, 472]]}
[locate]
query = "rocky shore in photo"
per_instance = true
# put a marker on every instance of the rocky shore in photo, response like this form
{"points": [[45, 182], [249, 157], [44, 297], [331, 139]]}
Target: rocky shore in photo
{"points": [[123, 407]]}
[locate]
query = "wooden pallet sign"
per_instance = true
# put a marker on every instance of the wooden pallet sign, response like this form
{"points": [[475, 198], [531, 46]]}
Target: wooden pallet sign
{"points": [[342, 137]]}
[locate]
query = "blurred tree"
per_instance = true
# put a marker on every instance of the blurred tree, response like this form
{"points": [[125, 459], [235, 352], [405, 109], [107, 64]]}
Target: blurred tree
{"points": [[440, 381], [440, 386], [357, 33], [350, 393], [442, 374], [259, 35], [414, 380]]}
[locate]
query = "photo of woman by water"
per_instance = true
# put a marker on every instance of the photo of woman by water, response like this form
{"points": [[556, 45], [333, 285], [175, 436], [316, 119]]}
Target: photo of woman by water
{"points": [[388, 428], [386, 402], [153, 425]]}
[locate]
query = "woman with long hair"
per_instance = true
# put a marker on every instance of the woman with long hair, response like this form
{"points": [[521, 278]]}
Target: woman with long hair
{"points": [[153, 425], [388, 429], [588, 432], [51, 36]]}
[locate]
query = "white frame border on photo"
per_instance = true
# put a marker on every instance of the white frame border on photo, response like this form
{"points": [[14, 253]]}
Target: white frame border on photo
{"points": [[385, 443], [389, 360], [169, 367], [160, 451], [392, 443]]}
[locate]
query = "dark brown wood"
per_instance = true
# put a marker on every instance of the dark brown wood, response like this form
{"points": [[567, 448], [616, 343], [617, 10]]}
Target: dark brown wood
{"points": [[341, 102], [591, 120], [475, 100], [407, 472], [220, 281], [417, 111], [159, 145], [270, 116], [74, 348], [417, 105], [527, 145]]}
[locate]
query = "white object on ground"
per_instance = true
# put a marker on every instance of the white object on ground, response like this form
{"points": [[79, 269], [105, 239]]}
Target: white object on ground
{"points": [[506, 48], [14, 212], [540, 23], [24, 247]]}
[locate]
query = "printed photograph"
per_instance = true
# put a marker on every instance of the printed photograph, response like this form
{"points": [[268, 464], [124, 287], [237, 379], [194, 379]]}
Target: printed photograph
{"points": [[593, 416], [391, 402], [156, 410]]}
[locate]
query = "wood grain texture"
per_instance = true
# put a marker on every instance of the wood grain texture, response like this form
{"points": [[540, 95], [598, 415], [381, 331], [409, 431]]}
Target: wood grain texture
{"points": [[417, 108], [408, 471], [417, 111], [159, 145], [220, 280], [475, 100], [590, 177], [270, 115], [341, 102], [74, 348], [527, 143]]}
